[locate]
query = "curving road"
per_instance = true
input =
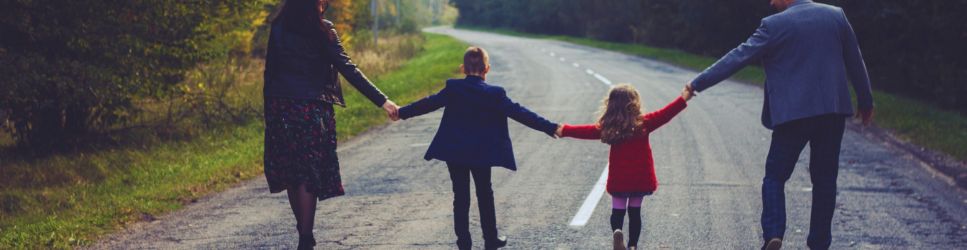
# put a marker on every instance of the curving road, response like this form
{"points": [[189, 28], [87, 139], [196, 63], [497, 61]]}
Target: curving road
{"points": [[709, 161]]}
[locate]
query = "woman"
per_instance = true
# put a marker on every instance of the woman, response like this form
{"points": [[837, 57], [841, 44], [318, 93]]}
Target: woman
{"points": [[302, 65]]}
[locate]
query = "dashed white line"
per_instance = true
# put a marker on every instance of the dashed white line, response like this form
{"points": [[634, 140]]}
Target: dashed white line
{"points": [[584, 213], [587, 208], [602, 79]]}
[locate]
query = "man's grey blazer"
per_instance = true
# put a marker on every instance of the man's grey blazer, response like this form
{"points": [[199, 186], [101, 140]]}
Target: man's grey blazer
{"points": [[808, 52]]}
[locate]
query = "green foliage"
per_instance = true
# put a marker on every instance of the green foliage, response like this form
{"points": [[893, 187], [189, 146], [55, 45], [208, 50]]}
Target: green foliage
{"points": [[77, 66], [398, 16], [69, 200], [913, 48], [422, 75]]}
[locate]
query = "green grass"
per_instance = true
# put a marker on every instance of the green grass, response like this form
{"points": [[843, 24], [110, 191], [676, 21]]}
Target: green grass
{"points": [[909, 119], [70, 200], [421, 76]]}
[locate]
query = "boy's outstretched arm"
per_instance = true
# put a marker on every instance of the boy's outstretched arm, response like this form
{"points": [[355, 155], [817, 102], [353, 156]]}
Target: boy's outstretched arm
{"points": [[426, 105], [525, 116]]}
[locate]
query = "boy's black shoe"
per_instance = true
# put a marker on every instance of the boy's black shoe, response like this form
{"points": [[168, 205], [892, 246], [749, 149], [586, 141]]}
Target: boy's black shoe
{"points": [[500, 242], [773, 244], [464, 244]]}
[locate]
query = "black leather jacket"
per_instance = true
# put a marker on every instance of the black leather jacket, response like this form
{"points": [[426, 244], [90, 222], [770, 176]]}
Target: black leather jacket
{"points": [[300, 67]]}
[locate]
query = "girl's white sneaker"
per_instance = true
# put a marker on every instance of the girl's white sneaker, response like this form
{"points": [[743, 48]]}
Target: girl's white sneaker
{"points": [[619, 240]]}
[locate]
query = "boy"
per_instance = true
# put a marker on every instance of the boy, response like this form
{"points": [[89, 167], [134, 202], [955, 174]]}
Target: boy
{"points": [[472, 138]]}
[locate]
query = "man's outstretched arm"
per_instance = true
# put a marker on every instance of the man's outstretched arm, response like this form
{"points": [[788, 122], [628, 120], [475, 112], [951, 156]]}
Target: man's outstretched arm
{"points": [[734, 60]]}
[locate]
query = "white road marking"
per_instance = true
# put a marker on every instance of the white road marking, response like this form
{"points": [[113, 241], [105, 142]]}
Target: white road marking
{"points": [[602, 79], [419, 144], [552, 54], [562, 59], [576, 65], [589, 71], [584, 213]]}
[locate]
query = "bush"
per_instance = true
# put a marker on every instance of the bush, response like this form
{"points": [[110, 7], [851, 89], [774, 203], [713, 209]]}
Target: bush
{"points": [[73, 67]]}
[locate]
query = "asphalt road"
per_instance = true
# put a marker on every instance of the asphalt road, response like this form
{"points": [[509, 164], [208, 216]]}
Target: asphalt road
{"points": [[709, 159]]}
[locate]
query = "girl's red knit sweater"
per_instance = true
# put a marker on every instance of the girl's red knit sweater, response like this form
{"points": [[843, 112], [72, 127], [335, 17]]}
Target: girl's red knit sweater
{"points": [[631, 167]]}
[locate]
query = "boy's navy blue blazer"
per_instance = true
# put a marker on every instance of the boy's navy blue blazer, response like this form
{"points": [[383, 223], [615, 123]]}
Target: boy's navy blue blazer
{"points": [[473, 131]]}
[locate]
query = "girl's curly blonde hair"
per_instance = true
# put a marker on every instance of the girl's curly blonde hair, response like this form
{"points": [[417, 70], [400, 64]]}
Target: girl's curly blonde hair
{"points": [[620, 115]]}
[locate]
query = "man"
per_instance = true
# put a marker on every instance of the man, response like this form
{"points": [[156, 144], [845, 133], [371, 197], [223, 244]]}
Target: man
{"points": [[809, 51]]}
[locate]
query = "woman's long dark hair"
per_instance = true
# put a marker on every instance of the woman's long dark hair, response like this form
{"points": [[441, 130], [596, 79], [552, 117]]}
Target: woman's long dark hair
{"points": [[305, 17]]}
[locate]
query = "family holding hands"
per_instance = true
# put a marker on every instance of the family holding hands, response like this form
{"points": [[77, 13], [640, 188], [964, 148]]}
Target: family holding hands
{"points": [[808, 50], [473, 137]]}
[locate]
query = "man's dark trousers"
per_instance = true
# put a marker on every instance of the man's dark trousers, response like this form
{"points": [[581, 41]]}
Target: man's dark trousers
{"points": [[824, 134]]}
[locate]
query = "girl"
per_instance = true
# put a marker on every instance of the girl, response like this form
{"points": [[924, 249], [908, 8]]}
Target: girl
{"points": [[631, 169]]}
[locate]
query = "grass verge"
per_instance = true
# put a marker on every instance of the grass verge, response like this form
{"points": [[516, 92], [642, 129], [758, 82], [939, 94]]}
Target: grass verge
{"points": [[909, 119], [136, 184]]}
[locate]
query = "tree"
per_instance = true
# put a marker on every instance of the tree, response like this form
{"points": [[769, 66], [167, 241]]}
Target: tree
{"points": [[913, 48], [75, 66]]}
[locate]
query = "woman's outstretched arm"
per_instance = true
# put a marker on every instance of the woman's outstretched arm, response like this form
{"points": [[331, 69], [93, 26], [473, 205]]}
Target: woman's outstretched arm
{"points": [[346, 67]]}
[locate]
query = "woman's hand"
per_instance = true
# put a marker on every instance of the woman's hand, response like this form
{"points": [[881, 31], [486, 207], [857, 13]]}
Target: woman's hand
{"points": [[392, 110], [560, 131]]}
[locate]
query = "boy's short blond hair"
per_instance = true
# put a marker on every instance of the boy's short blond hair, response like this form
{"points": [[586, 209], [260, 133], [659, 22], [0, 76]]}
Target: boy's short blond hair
{"points": [[475, 61]]}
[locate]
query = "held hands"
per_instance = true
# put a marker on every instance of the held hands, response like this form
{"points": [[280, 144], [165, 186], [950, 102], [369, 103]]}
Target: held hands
{"points": [[559, 132], [392, 110], [688, 92]]}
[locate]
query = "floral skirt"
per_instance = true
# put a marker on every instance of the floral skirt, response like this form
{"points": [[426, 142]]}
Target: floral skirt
{"points": [[300, 146]]}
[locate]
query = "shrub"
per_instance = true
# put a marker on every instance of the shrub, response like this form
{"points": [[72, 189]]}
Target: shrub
{"points": [[73, 67]]}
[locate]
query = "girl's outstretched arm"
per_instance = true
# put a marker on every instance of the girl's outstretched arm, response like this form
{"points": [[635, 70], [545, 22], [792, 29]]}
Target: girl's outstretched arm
{"points": [[658, 118], [587, 131]]}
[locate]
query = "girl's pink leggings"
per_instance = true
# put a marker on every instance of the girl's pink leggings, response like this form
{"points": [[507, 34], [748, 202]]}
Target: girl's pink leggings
{"points": [[625, 202]]}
